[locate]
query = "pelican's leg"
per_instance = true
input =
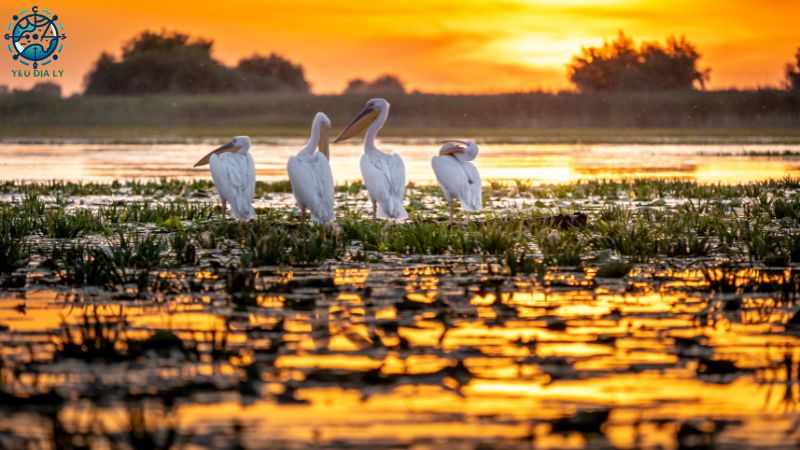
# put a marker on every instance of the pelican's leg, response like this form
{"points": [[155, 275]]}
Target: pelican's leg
{"points": [[224, 208], [452, 205], [374, 210], [303, 213]]}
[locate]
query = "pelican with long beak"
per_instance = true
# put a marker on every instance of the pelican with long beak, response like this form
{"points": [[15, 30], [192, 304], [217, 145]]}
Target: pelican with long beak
{"points": [[234, 174], [310, 173], [384, 173], [457, 176]]}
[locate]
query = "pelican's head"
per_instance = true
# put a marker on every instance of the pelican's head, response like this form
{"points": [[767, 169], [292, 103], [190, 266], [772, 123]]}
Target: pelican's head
{"points": [[238, 144], [374, 108], [461, 150]]}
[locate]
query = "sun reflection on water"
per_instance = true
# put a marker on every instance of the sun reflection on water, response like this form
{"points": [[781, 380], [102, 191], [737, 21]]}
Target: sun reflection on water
{"points": [[564, 359]]}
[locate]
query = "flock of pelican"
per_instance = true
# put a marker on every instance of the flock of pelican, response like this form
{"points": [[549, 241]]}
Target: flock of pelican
{"points": [[234, 174]]}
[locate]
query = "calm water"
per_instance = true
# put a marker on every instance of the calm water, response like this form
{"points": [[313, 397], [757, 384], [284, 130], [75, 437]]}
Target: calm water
{"points": [[466, 358], [540, 163]]}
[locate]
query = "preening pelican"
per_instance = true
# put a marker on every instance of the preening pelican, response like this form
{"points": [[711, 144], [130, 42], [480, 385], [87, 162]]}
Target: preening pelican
{"points": [[234, 174], [383, 173], [310, 173], [457, 176]]}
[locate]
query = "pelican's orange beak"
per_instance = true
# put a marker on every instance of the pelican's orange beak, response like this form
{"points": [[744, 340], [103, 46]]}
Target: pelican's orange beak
{"points": [[359, 124]]}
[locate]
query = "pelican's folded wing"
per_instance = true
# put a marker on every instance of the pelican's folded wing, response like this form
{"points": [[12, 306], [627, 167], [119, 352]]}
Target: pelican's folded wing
{"points": [[235, 178]]}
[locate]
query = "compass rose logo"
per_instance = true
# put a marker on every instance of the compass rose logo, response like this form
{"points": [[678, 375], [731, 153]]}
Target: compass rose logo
{"points": [[34, 37]]}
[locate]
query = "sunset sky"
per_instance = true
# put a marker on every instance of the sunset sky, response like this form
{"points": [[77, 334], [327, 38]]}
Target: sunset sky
{"points": [[435, 45]]}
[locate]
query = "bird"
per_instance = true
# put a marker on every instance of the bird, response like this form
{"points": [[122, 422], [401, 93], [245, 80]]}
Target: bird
{"points": [[310, 173], [457, 176], [384, 173], [234, 174]]}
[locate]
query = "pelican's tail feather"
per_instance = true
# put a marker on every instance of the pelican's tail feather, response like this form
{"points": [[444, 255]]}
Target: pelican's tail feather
{"points": [[392, 209], [471, 201], [242, 209], [470, 205], [322, 215]]}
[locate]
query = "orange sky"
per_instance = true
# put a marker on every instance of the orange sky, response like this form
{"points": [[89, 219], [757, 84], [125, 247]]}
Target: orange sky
{"points": [[434, 45]]}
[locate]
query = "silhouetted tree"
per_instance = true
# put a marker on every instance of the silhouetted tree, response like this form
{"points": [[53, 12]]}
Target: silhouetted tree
{"points": [[160, 62], [619, 66], [355, 85], [270, 73], [793, 73], [385, 84]]}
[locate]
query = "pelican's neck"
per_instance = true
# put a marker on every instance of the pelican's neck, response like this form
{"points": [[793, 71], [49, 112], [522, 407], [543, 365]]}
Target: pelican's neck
{"points": [[244, 149], [313, 140], [372, 131]]}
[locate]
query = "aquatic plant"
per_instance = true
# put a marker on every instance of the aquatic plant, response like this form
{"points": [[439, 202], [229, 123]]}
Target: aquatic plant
{"points": [[56, 223], [561, 248], [183, 248], [14, 253], [421, 238], [496, 238]]}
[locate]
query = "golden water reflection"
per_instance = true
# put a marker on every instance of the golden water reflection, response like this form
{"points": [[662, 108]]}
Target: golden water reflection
{"points": [[408, 356]]}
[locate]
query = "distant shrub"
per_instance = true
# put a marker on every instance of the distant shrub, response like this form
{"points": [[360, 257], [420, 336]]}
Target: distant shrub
{"points": [[271, 73], [386, 84]]}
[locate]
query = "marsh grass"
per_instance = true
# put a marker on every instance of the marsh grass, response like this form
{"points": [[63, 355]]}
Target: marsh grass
{"points": [[271, 244], [59, 224], [184, 250], [157, 213], [14, 253], [561, 248], [754, 222]]}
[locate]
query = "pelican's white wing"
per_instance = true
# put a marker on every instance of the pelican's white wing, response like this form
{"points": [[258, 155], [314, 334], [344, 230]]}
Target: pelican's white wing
{"points": [[385, 177], [459, 180], [472, 200], [234, 174], [312, 185]]}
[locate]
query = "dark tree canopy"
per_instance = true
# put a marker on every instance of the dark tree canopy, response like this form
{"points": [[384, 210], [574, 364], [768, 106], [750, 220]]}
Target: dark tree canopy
{"points": [[269, 73], [173, 62], [620, 66], [793, 73], [385, 84]]}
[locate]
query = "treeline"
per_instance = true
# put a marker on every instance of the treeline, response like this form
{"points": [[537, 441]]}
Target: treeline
{"points": [[265, 114], [175, 63]]}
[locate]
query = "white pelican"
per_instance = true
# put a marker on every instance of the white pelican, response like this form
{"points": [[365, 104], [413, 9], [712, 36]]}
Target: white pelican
{"points": [[234, 174], [457, 176], [383, 173], [310, 173]]}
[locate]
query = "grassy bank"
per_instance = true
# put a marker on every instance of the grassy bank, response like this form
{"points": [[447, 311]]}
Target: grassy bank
{"points": [[536, 117]]}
